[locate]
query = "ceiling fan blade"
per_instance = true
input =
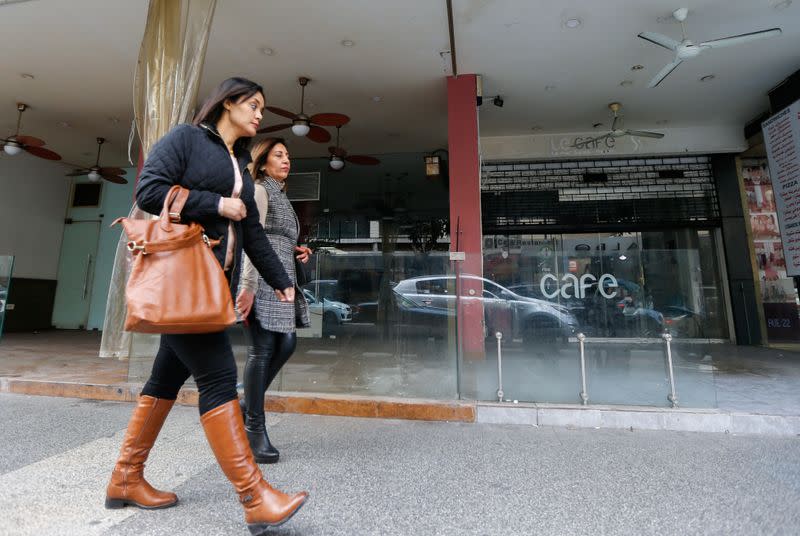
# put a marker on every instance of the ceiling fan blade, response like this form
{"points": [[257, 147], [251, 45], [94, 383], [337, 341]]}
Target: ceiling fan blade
{"points": [[662, 74], [30, 140], [78, 173], [41, 152], [281, 112], [274, 128], [363, 160], [644, 134], [114, 178], [318, 134], [337, 151], [743, 38], [660, 40], [330, 120], [111, 171]]}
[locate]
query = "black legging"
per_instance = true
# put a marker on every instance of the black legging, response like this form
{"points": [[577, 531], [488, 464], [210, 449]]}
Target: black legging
{"points": [[206, 356]]}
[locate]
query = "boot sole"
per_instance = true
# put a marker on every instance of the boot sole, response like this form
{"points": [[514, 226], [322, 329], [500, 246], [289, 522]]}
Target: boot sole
{"points": [[260, 529], [266, 460], [115, 504]]}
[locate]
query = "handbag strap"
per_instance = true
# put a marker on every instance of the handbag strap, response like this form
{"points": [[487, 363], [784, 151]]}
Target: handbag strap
{"points": [[173, 206]]}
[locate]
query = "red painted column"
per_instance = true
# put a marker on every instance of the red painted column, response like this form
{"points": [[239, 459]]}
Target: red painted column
{"points": [[465, 208]]}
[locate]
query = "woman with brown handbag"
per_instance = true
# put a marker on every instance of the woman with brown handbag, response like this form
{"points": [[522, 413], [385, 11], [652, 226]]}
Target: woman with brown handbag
{"points": [[209, 158], [271, 323]]}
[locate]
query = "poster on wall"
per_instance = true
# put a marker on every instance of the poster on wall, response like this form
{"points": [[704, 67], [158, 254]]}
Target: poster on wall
{"points": [[777, 288], [782, 142]]}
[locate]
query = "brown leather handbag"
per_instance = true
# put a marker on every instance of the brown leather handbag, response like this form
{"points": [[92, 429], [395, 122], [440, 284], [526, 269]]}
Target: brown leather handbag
{"points": [[176, 284]]}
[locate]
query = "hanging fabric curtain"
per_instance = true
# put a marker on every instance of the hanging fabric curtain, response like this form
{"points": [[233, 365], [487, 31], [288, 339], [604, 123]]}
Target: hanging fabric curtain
{"points": [[164, 94]]}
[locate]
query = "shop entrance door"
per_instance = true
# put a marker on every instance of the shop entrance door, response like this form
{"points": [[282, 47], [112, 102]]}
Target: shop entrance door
{"points": [[75, 275]]}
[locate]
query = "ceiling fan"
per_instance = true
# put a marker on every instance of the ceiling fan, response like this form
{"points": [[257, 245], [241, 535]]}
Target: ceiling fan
{"points": [[303, 125], [617, 131], [339, 156], [686, 49], [13, 145], [95, 173]]}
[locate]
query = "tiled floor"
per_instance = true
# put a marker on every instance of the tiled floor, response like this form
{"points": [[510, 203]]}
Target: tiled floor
{"points": [[732, 378]]}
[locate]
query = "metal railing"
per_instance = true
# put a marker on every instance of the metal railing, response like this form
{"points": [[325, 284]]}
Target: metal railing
{"points": [[582, 340]]}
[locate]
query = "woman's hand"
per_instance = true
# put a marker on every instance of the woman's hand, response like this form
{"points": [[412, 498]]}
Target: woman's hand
{"points": [[233, 209], [244, 303], [285, 295], [302, 253]]}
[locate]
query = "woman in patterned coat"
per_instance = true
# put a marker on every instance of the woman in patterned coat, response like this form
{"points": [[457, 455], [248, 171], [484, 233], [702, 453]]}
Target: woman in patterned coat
{"points": [[271, 322]]}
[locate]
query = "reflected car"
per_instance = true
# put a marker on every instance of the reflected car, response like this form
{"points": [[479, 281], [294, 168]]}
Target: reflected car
{"points": [[365, 312], [427, 303], [334, 313], [684, 323], [326, 288], [622, 316]]}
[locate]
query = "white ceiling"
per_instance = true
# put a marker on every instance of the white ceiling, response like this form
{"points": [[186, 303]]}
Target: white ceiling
{"points": [[83, 55]]}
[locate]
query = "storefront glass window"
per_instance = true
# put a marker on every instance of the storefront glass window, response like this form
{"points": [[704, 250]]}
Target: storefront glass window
{"points": [[622, 291]]}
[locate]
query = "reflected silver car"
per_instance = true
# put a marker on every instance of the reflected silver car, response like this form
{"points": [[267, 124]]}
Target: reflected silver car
{"points": [[427, 302], [334, 313]]}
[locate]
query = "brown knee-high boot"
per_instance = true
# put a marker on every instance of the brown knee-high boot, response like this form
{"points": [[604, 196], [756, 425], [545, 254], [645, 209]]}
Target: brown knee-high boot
{"points": [[264, 506], [128, 485]]}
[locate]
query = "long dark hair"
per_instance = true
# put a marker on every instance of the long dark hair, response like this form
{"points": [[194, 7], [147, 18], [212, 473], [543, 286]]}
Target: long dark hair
{"points": [[234, 89], [259, 153]]}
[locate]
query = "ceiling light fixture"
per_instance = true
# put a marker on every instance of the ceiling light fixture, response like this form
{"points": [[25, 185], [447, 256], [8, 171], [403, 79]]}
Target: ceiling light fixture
{"points": [[336, 163], [267, 51], [11, 148], [27, 76], [300, 127], [637, 67], [377, 98], [708, 78], [64, 124], [348, 43], [573, 23], [93, 176], [626, 83]]}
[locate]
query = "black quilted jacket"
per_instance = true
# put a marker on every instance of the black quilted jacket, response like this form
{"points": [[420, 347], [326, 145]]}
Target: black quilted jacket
{"points": [[196, 158]]}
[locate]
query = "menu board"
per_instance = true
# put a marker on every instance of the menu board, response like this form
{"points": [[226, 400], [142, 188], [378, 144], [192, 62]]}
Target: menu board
{"points": [[782, 142]]}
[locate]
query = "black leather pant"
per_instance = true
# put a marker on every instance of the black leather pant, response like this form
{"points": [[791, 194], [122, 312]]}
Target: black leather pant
{"points": [[268, 352]]}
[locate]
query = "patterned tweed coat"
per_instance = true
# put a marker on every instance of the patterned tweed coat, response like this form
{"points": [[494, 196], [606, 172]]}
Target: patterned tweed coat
{"points": [[282, 230]]}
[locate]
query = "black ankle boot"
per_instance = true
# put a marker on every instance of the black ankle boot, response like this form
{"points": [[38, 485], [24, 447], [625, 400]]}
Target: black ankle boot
{"points": [[255, 374], [263, 451]]}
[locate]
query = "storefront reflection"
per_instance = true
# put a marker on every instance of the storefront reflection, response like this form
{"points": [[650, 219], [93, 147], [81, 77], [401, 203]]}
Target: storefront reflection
{"points": [[386, 324]]}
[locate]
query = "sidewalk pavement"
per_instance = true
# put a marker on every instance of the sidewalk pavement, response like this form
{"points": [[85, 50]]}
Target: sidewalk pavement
{"points": [[400, 477], [748, 390]]}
